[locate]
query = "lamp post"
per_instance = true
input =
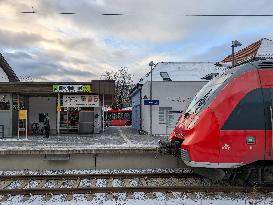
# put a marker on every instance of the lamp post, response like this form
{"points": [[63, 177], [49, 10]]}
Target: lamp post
{"points": [[233, 45], [151, 64]]}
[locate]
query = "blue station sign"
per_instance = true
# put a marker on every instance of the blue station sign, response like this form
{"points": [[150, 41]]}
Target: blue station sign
{"points": [[151, 102]]}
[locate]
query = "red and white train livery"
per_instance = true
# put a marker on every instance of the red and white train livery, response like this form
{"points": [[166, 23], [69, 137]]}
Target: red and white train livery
{"points": [[227, 128]]}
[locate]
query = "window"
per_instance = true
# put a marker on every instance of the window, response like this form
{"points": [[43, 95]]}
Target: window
{"points": [[248, 114], [199, 101], [163, 114], [127, 116], [114, 116], [4, 102]]}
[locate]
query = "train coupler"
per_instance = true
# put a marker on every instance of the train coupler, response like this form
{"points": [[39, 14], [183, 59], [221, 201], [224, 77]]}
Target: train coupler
{"points": [[170, 147]]}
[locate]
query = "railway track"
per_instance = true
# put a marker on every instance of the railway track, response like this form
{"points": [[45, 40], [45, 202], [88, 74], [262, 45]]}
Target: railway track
{"points": [[112, 183]]}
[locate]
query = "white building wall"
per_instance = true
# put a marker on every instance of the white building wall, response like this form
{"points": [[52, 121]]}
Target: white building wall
{"points": [[174, 94], [43, 105], [3, 76]]}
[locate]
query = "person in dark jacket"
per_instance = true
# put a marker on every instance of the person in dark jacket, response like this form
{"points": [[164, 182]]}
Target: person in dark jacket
{"points": [[46, 126]]}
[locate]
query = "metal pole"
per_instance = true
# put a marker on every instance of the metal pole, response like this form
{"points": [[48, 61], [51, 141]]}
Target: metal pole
{"points": [[58, 114], [103, 112], [233, 60], [18, 108], [26, 124], [151, 107]]}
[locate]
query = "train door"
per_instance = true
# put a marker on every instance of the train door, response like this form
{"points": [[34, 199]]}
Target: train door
{"points": [[268, 96], [266, 76], [242, 138]]}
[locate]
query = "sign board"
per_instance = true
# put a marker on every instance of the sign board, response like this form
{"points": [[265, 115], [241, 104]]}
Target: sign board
{"points": [[151, 102], [71, 88], [22, 114], [59, 109], [81, 101]]}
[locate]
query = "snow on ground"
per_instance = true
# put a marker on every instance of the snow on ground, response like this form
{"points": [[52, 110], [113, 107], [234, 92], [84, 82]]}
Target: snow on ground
{"points": [[93, 171], [114, 137], [144, 199], [135, 199]]}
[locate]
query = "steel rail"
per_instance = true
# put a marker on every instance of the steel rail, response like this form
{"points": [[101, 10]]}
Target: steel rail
{"points": [[148, 189], [98, 176]]}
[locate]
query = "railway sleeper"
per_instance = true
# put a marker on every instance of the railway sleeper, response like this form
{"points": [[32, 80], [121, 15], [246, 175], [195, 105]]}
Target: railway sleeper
{"points": [[47, 197], [5, 184], [130, 195], [150, 195], [4, 198], [89, 196]]}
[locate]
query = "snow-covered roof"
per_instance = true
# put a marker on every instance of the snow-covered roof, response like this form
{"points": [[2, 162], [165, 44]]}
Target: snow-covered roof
{"points": [[182, 71], [262, 49]]}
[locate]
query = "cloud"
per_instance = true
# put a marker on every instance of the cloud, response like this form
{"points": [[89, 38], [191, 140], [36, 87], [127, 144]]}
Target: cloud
{"points": [[80, 47], [18, 39], [27, 64]]}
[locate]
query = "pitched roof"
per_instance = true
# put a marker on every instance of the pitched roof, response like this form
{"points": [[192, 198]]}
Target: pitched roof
{"points": [[261, 49], [182, 71], [8, 70]]}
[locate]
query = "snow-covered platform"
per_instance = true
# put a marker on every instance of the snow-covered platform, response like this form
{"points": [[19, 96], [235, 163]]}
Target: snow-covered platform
{"points": [[114, 139], [117, 148]]}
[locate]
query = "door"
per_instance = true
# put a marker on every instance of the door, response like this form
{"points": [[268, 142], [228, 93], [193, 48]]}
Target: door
{"points": [[266, 76], [242, 138], [268, 96], [86, 122]]}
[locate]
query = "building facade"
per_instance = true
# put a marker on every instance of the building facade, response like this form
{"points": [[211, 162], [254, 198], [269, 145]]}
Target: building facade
{"points": [[71, 107], [174, 84]]}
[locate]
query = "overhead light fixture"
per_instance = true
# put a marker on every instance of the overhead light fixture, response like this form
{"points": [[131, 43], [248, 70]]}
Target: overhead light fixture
{"points": [[236, 43], [165, 76]]}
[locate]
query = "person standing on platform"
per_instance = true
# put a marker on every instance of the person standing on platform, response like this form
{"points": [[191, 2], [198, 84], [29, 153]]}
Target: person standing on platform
{"points": [[46, 126]]}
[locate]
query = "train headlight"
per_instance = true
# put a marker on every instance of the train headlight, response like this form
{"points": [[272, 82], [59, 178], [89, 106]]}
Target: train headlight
{"points": [[194, 120]]}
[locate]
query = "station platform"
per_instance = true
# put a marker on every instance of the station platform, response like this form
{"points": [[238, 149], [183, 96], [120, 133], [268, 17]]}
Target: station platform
{"points": [[114, 139], [116, 148]]}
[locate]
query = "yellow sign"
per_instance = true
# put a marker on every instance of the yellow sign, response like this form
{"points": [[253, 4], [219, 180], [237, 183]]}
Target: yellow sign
{"points": [[59, 109], [22, 114]]}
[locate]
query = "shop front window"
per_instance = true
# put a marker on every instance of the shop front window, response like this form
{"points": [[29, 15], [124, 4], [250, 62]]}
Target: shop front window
{"points": [[4, 102]]}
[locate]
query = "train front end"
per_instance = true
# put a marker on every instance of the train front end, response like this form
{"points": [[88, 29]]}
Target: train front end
{"points": [[224, 125], [195, 138]]}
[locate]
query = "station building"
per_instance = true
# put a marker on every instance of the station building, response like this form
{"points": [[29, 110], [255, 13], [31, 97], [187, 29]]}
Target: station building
{"points": [[174, 85], [72, 107]]}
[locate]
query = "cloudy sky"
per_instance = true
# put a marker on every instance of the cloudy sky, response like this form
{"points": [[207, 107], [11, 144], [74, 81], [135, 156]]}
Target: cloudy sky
{"points": [[48, 46]]}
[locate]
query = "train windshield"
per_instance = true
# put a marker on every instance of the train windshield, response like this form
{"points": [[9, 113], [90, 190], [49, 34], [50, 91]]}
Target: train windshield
{"points": [[199, 101]]}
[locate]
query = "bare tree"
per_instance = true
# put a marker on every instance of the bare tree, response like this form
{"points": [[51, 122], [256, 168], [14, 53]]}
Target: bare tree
{"points": [[123, 81]]}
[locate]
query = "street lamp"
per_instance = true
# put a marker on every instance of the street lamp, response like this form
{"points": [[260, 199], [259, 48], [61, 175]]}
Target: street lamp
{"points": [[233, 45], [151, 64]]}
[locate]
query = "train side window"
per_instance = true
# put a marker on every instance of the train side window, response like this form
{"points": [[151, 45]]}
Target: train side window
{"points": [[127, 116], [248, 114]]}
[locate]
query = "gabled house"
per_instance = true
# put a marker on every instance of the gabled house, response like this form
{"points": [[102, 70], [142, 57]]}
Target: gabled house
{"points": [[261, 49], [6, 72], [174, 85]]}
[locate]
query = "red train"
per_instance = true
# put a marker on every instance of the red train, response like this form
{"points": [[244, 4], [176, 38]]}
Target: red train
{"points": [[226, 131], [118, 117]]}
